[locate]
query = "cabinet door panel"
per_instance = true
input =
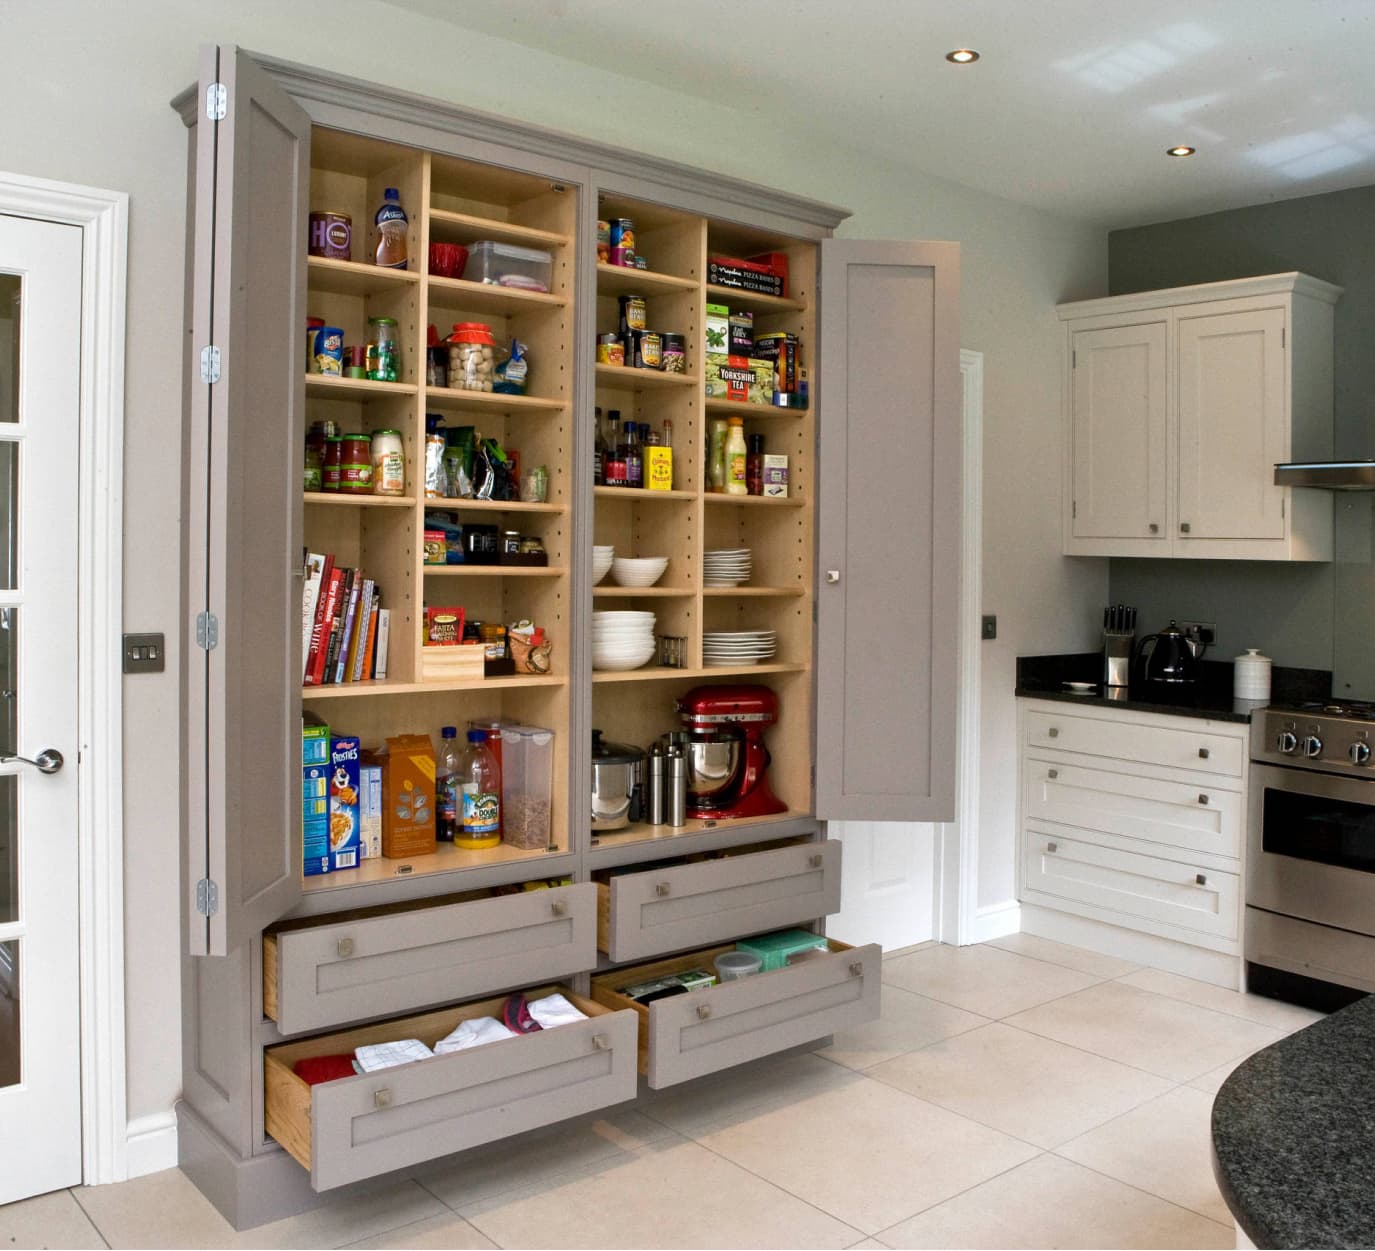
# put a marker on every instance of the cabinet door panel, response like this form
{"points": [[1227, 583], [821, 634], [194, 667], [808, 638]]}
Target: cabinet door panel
{"points": [[888, 545], [1232, 425], [1119, 390], [243, 482]]}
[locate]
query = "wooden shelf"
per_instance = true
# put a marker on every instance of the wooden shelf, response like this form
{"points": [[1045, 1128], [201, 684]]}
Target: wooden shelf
{"points": [[446, 858], [445, 504], [642, 833], [754, 592], [336, 499], [464, 228], [460, 293], [625, 377], [493, 571], [618, 280], [328, 387], [642, 592], [389, 686], [733, 298], [739, 408], [324, 273], [489, 401], [755, 501], [657, 673], [640, 493]]}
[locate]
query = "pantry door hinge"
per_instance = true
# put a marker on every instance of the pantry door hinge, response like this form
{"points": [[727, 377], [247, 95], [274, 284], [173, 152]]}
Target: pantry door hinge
{"points": [[210, 364], [1284, 331], [1074, 360], [1282, 503], [1073, 509], [207, 897], [207, 631], [216, 102]]}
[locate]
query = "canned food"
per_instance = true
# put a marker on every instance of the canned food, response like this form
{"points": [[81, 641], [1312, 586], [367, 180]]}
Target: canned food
{"points": [[610, 350], [388, 463], [674, 349], [622, 233], [331, 234], [355, 467], [603, 242], [329, 351], [624, 257], [634, 314], [648, 350]]}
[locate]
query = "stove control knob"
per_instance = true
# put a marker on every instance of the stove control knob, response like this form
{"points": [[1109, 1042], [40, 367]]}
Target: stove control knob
{"points": [[1359, 752], [1287, 742], [1312, 747]]}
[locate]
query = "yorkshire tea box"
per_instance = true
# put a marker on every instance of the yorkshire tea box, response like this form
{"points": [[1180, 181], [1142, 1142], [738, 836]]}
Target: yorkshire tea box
{"points": [[408, 797], [718, 328], [739, 378], [344, 831], [369, 806], [659, 468]]}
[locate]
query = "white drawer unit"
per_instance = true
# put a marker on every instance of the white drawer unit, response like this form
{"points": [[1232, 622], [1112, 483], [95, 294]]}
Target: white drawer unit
{"points": [[1171, 742]]}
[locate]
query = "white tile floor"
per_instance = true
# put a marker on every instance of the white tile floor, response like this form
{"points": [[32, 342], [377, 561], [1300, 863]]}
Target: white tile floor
{"points": [[1015, 1094]]}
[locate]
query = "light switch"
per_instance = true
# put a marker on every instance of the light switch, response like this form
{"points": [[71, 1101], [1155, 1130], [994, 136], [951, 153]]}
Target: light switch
{"points": [[990, 627], [144, 653]]}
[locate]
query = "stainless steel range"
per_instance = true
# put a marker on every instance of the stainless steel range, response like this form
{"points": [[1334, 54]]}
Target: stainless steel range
{"points": [[1310, 893]]}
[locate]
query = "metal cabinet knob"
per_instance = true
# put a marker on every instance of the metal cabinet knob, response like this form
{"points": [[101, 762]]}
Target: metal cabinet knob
{"points": [[661, 889], [833, 575], [1053, 773], [1183, 527], [857, 969], [703, 1011], [1053, 732], [381, 1098], [1201, 879], [816, 861], [1203, 753], [344, 947], [600, 1042], [1051, 847], [1203, 799], [1155, 528], [559, 907]]}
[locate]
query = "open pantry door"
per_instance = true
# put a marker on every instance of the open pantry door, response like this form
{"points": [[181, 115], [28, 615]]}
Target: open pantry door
{"points": [[243, 493], [888, 531]]}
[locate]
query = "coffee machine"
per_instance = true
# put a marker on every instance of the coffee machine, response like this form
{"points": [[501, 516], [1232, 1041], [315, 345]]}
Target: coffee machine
{"points": [[727, 760]]}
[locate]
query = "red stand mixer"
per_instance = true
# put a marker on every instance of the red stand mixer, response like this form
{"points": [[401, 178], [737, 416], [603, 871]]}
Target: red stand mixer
{"points": [[727, 759]]}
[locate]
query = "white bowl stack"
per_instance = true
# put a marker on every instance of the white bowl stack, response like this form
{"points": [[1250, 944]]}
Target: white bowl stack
{"points": [[728, 566], [601, 562], [638, 570], [622, 640], [738, 647]]}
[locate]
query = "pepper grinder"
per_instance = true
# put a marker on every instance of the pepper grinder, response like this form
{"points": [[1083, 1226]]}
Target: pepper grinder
{"points": [[676, 799], [657, 789]]}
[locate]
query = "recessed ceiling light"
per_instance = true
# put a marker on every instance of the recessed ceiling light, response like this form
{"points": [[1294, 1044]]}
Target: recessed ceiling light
{"points": [[962, 56], [1182, 150]]}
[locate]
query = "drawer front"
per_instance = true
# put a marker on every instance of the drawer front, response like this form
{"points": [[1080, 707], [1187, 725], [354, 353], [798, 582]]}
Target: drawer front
{"points": [[1192, 817], [415, 1112], [647, 914], [1195, 750], [732, 1022], [352, 970], [1135, 887]]}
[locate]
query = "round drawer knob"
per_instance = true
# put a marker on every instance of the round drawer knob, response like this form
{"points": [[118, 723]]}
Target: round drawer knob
{"points": [[662, 889], [559, 908], [345, 948], [1053, 732], [703, 1011], [381, 1098]]}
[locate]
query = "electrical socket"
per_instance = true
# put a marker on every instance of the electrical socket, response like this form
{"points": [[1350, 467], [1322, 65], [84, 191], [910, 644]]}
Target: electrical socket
{"points": [[1207, 630]]}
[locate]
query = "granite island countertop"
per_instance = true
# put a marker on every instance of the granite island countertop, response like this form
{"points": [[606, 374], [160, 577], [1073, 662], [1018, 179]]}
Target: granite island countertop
{"points": [[1294, 1136]]}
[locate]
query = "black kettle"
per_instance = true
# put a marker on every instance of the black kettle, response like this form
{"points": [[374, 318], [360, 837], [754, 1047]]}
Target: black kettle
{"points": [[1170, 658]]}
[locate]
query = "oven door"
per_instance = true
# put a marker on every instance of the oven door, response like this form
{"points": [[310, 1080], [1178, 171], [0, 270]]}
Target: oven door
{"points": [[1311, 844]]}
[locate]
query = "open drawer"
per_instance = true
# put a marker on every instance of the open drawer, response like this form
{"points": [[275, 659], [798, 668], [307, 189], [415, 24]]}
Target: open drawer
{"points": [[668, 909], [330, 970], [357, 1127], [704, 1031]]}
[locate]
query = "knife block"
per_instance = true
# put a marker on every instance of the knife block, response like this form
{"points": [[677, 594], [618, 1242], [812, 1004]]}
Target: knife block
{"points": [[1117, 657]]}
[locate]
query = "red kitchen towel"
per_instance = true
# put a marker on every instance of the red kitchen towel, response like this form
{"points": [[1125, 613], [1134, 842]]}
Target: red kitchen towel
{"points": [[316, 1069]]}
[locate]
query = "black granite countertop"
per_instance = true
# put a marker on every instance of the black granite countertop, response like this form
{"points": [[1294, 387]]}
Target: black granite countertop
{"points": [[1045, 677], [1294, 1136]]}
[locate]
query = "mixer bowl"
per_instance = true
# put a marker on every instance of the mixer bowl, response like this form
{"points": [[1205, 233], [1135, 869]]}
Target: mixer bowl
{"points": [[713, 766]]}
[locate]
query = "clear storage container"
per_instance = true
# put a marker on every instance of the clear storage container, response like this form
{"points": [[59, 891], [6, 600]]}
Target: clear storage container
{"points": [[527, 785], [505, 265]]}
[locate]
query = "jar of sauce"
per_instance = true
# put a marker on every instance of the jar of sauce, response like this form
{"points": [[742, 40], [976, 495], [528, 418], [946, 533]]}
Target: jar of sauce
{"points": [[333, 470], [388, 463], [355, 469]]}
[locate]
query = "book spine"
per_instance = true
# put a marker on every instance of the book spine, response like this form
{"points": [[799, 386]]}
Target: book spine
{"points": [[337, 628], [383, 638], [310, 598], [320, 621], [370, 646], [329, 607], [358, 649]]}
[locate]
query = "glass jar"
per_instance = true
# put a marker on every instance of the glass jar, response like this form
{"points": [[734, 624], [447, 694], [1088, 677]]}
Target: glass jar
{"points": [[473, 357], [333, 464], [355, 468], [534, 485], [510, 542], [493, 641], [388, 463], [384, 353], [314, 469]]}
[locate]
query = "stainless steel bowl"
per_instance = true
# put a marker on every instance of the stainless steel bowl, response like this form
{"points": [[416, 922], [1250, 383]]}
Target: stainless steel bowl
{"points": [[713, 764]]}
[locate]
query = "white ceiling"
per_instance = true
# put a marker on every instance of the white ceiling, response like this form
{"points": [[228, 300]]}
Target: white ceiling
{"points": [[1070, 108]]}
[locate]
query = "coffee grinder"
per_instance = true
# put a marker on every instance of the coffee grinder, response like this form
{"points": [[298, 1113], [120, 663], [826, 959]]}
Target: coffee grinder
{"points": [[727, 760]]}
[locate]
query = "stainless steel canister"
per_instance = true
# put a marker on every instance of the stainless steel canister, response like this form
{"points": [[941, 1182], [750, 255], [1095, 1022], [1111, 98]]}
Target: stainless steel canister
{"points": [[676, 802], [657, 788]]}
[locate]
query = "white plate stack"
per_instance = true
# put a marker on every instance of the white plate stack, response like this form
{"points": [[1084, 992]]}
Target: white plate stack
{"points": [[622, 640], [738, 647], [601, 562], [728, 566]]}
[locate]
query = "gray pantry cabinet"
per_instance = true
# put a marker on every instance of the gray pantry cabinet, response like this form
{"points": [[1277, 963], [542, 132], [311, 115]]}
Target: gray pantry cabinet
{"points": [[855, 571]]}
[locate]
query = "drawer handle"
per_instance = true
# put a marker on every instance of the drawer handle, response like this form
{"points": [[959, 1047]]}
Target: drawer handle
{"points": [[559, 907], [857, 969], [1052, 846], [703, 1011], [662, 889], [1203, 753], [1053, 773], [816, 861], [1201, 879], [1203, 799], [1053, 732], [600, 1042], [381, 1098], [345, 948], [1183, 527]]}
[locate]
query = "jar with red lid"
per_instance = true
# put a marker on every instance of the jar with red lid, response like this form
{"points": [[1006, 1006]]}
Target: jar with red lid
{"points": [[355, 469], [473, 356]]}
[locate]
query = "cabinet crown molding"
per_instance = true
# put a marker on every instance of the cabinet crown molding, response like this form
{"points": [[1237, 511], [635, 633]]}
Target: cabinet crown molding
{"points": [[1204, 292]]}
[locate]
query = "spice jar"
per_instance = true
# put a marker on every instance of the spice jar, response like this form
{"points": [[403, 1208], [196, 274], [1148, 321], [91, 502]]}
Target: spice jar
{"points": [[510, 542], [473, 356], [355, 470], [388, 463], [334, 463], [534, 485], [493, 641]]}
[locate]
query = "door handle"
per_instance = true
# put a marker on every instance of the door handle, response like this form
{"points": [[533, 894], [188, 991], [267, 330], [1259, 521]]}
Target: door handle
{"points": [[47, 761]]}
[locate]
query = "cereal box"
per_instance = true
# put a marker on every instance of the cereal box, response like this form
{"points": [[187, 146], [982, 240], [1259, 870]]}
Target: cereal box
{"points": [[344, 829], [408, 777], [315, 819], [370, 805]]}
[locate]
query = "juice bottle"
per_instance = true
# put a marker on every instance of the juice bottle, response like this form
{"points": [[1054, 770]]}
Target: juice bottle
{"points": [[735, 456], [481, 821], [716, 456], [391, 225], [448, 787]]}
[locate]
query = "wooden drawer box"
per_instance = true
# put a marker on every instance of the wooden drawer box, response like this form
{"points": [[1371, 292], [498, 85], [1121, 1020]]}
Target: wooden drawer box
{"points": [[702, 1032], [1194, 818], [1126, 888], [332, 970], [356, 1127], [647, 914], [1176, 748]]}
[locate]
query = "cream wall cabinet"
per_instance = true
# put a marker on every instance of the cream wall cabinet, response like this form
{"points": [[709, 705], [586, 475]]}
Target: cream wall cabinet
{"points": [[1178, 405]]}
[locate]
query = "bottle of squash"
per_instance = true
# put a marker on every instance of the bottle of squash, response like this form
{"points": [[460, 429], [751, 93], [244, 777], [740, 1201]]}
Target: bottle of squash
{"points": [[736, 457]]}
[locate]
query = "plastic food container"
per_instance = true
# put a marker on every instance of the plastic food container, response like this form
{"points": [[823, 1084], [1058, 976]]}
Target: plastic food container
{"points": [[731, 965], [505, 265], [527, 785]]}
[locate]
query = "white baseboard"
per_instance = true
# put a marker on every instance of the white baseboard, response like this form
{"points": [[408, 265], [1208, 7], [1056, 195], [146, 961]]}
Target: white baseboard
{"points": [[152, 1143], [994, 921]]}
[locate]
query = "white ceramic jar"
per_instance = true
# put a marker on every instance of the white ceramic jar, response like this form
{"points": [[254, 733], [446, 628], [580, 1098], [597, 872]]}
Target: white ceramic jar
{"points": [[1251, 676]]}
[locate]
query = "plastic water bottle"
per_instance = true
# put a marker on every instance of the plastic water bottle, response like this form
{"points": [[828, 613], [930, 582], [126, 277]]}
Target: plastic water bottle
{"points": [[391, 223], [449, 787], [481, 783]]}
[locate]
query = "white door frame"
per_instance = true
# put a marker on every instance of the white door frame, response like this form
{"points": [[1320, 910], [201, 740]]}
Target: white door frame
{"points": [[103, 218], [957, 848]]}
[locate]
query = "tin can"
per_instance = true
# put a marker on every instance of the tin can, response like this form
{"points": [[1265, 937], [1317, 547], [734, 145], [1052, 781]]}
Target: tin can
{"points": [[388, 463], [610, 350], [674, 350], [648, 350], [331, 234], [603, 242], [329, 351], [334, 463], [625, 257], [313, 324], [623, 233], [634, 313], [355, 468]]}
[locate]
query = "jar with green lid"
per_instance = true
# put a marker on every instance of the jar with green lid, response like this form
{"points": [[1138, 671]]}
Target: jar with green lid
{"points": [[388, 463], [355, 470], [384, 354], [314, 469]]}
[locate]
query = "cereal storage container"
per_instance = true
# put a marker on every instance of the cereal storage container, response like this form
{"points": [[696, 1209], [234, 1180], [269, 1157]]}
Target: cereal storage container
{"points": [[527, 776]]}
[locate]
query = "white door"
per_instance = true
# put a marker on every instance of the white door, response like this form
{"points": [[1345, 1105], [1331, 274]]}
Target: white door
{"points": [[40, 1054], [887, 884]]}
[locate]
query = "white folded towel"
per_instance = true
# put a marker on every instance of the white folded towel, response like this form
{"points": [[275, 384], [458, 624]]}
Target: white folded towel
{"points": [[384, 1055], [474, 1033], [554, 1010]]}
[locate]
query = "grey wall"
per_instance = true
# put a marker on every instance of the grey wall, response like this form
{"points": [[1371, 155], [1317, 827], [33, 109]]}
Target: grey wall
{"points": [[1309, 615]]}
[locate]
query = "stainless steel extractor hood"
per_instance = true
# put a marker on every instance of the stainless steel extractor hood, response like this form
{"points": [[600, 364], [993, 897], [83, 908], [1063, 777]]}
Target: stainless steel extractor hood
{"points": [[1332, 475]]}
